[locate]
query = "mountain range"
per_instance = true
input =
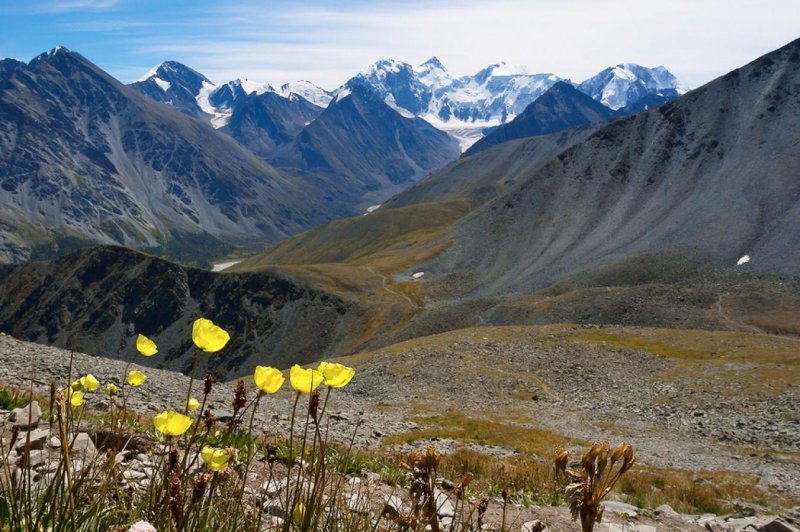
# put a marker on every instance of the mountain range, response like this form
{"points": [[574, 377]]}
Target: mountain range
{"points": [[463, 106], [85, 159], [587, 217], [82, 154], [700, 182]]}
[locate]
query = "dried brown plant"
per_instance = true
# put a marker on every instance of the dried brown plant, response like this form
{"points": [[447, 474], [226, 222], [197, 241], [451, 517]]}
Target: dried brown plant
{"points": [[587, 487]]}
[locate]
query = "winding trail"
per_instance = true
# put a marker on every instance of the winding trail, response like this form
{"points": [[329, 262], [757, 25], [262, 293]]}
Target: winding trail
{"points": [[735, 324], [384, 285]]}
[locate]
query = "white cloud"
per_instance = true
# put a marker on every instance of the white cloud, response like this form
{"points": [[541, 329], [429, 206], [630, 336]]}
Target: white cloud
{"points": [[63, 6], [573, 38]]}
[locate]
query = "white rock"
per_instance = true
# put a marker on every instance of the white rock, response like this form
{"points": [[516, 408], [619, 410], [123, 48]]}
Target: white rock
{"points": [[358, 503], [274, 487], [443, 505], [27, 416], [83, 446], [35, 438], [533, 526], [393, 506], [621, 508]]}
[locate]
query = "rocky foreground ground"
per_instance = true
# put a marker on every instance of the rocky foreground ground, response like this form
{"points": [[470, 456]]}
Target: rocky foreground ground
{"points": [[583, 390]]}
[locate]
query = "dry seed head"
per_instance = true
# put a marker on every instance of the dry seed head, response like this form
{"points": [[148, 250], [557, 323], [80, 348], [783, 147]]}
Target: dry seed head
{"points": [[173, 459], [61, 403], [313, 405], [432, 457], [200, 486], [618, 452], [628, 453], [562, 459], [175, 497], [239, 396], [208, 382], [603, 452], [208, 419], [483, 505]]}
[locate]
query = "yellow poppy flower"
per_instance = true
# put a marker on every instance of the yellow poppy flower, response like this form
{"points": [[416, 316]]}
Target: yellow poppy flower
{"points": [[111, 389], [192, 404], [75, 396], [89, 383], [299, 513], [304, 380], [269, 380], [336, 375], [136, 378], [146, 346], [209, 337], [217, 459], [172, 423]]}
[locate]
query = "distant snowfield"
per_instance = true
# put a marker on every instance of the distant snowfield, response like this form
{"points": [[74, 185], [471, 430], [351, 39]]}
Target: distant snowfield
{"points": [[466, 133], [219, 266], [219, 119]]}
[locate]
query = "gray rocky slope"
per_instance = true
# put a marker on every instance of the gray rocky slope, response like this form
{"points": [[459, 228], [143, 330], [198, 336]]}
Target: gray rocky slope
{"points": [[561, 107], [98, 300], [83, 156], [712, 176], [360, 141]]}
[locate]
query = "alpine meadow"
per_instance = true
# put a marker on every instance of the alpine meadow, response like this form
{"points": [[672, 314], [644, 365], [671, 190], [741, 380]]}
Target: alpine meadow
{"points": [[261, 286]]}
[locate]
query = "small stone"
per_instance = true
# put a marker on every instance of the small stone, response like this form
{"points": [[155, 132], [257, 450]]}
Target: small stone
{"points": [[55, 443], [274, 507], [12, 458], [34, 458], [443, 505], [393, 507], [778, 524], [26, 416], [130, 474], [273, 487], [83, 446], [36, 439], [533, 526], [358, 503], [621, 508], [122, 457], [665, 510], [446, 484]]}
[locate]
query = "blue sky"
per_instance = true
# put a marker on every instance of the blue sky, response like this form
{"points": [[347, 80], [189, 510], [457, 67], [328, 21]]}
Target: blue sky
{"points": [[326, 42]]}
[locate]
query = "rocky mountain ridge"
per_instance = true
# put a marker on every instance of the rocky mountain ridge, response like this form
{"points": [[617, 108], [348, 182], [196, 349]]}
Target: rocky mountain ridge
{"points": [[710, 176]]}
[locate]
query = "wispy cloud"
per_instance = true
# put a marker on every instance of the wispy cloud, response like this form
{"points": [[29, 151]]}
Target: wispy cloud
{"points": [[327, 41], [65, 6]]}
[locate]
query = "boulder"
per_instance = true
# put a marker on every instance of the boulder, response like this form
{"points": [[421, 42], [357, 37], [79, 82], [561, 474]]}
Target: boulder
{"points": [[35, 439], [83, 446], [26, 416]]}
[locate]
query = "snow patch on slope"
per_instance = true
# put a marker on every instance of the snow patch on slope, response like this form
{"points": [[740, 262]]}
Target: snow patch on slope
{"points": [[218, 118]]}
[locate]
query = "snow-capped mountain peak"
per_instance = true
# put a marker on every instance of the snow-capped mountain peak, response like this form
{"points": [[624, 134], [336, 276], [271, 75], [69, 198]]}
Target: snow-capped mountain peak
{"points": [[305, 89], [433, 74], [251, 87], [51, 54], [506, 69], [621, 85]]}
